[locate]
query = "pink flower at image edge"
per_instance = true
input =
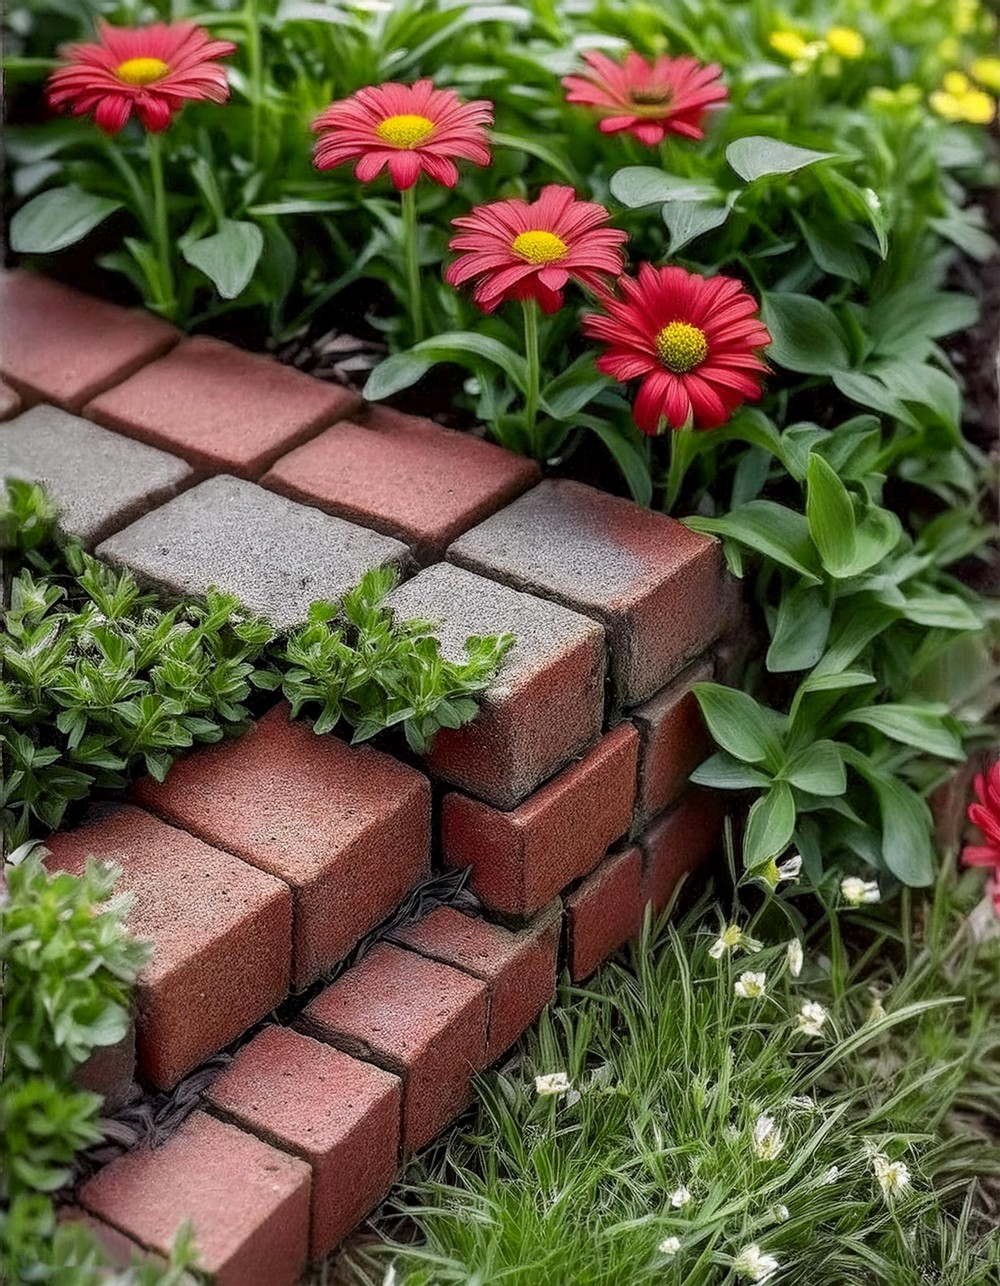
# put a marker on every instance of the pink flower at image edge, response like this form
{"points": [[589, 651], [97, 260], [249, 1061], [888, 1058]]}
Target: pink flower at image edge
{"points": [[985, 813], [151, 70], [408, 129]]}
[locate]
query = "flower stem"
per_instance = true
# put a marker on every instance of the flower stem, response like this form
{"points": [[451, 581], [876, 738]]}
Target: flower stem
{"points": [[255, 59], [531, 393], [408, 198], [167, 304], [679, 461]]}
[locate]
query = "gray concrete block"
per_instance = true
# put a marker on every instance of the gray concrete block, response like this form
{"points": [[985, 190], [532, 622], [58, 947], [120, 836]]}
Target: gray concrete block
{"points": [[546, 704], [100, 480], [276, 556]]}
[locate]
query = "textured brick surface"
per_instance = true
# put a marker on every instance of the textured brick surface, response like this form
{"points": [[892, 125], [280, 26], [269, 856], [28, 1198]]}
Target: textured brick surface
{"points": [[678, 842], [10, 401], [604, 911], [674, 741], [347, 829], [221, 933], [248, 1203], [58, 345], [109, 1072], [275, 555], [100, 480], [416, 1017], [523, 858], [519, 968], [404, 476], [656, 585], [545, 705], [223, 409], [340, 1115]]}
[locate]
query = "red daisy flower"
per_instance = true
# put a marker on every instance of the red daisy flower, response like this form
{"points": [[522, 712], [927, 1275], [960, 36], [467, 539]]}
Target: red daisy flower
{"points": [[693, 341], [649, 99], [522, 250], [412, 129], [985, 814], [149, 70]]}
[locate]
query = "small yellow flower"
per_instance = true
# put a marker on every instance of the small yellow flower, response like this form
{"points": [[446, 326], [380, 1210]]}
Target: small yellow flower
{"points": [[955, 82], [788, 43], [987, 72], [957, 100], [750, 985], [846, 42]]}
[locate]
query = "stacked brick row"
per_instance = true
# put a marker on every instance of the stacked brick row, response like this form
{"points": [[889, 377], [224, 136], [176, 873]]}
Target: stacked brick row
{"points": [[258, 864]]}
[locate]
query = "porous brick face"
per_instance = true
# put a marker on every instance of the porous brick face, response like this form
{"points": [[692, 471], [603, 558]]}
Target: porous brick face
{"points": [[678, 842], [416, 1017], [521, 859], [248, 1202], [276, 556], [58, 345], [604, 911], [347, 829], [341, 1115], [222, 409], [404, 476], [518, 968], [100, 480], [655, 584], [674, 742], [545, 705], [221, 934]]}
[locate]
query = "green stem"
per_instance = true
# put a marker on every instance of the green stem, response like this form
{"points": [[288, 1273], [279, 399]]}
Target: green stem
{"points": [[167, 304], [256, 61], [679, 461], [532, 392], [408, 198]]}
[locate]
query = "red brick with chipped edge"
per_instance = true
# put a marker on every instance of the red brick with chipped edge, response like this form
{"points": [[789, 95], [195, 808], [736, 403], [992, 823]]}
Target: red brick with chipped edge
{"points": [[248, 1202], [120, 1251], [10, 401], [678, 842], [674, 741], [348, 829], [224, 410], [518, 967], [604, 911], [404, 476], [522, 859], [58, 345], [221, 933], [416, 1017], [109, 1071], [341, 1115]]}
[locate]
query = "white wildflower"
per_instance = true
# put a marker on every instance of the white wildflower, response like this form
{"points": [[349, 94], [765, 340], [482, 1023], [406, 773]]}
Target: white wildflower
{"points": [[794, 957], [791, 867], [782, 1214], [680, 1197], [767, 1138], [752, 1266], [811, 1018], [552, 1084], [732, 938], [669, 1246], [802, 1103], [831, 1175], [858, 892], [750, 986], [893, 1176], [871, 199]]}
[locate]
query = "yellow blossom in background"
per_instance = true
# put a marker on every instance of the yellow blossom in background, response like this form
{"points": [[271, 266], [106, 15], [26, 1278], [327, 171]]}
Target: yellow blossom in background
{"points": [[788, 43], [987, 72], [846, 42], [966, 16], [958, 100]]}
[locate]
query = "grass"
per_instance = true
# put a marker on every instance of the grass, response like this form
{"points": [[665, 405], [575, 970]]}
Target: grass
{"points": [[672, 1072]]}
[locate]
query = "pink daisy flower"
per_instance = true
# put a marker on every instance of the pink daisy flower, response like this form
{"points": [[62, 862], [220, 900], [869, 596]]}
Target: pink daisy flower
{"points": [[520, 250], [693, 341], [152, 71], [648, 99], [411, 129], [985, 813]]}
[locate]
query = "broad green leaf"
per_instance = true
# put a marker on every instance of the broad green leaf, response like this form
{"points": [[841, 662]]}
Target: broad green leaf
{"points": [[722, 771], [770, 529], [801, 629], [738, 724], [869, 391], [943, 611], [628, 457], [228, 257], [932, 730], [831, 516], [687, 220], [639, 185], [525, 143], [56, 219], [399, 371], [838, 256], [819, 769], [770, 824], [573, 388], [466, 348], [756, 156], [806, 336], [875, 537]]}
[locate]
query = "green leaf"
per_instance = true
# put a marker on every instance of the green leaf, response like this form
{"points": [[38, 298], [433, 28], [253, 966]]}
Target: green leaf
{"points": [[907, 832], [573, 388], [56, 219], [819, 769], [831, 516], [801, 629], [687, 220], [869, 391], [933, 730], [464, 347], [533, 147], [806, 336], [228, 257], [627, 456], [397, 372], [943, 611], [722, 771], [770, 824], [756, 156], [639, 185], [738, 724], [772, 530]]}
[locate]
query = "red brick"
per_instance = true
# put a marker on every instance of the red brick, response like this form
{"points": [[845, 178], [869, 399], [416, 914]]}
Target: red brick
{"points": [[10, 401], [416, 1017], [678, 842], [120, 1251], [404, 476], [518, 968], [658, 587], [522, 859], [674, 742], [221, 933], [604, 911], [109, 1072], [58, 345], [247, 1202], [340, 1115], [347, 829], [222, 409]]}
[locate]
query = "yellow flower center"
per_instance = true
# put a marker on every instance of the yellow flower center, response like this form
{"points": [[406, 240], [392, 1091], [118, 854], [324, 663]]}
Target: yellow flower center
{"points": [[142, 71], [406, 131], [540, 247], [652, 95], [681, 347]]}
